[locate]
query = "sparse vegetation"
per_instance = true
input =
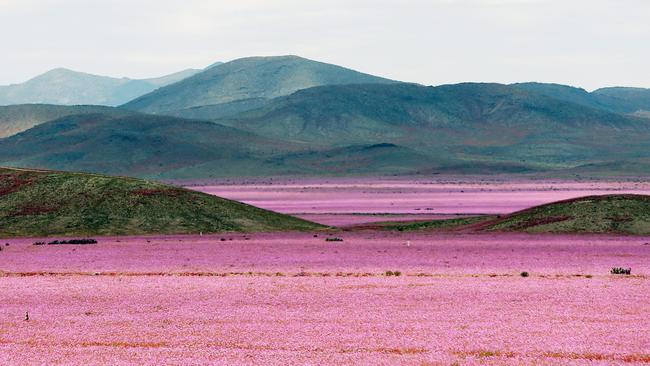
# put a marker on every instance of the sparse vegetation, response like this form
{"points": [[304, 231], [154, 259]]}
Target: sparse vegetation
{"points": [[618, 214], [73, 241], [334, 239], [448, 224], [621, 270], [48, 203], [393, 273]]}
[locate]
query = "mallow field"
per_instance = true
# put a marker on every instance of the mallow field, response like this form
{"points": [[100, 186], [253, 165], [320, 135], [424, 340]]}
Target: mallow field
{"points": [[278, 210]]}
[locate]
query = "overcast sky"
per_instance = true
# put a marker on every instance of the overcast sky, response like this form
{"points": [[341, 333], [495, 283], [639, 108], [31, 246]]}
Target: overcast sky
{"points": [[587, 43]]}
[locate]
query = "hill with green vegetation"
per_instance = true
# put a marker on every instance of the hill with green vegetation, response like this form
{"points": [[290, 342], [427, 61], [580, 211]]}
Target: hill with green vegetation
{"points": [[47, 203], [580, 96], [606, 214], [140, 145], [633, 101], [618, 214], [352, 129], [21, 117], [252, 78], [639, 98], [172, 148], [454, 224], [464, 124], [68, 87]]}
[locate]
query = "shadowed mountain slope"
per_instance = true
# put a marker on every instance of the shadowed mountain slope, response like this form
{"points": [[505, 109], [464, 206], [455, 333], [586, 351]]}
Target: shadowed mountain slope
{"points": [[377, 128], [471, 122], [638, 97], [617, 100], [136, 144], [18, 118]]}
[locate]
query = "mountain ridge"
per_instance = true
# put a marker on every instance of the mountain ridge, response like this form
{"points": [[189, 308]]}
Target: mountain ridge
{"points": [[63, 86], [258, 77]]}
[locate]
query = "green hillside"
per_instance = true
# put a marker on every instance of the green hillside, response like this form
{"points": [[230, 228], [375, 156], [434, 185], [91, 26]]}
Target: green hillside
{"points": [[245, 79], [18, 118], [610, 214], [639, 98], [349, 130], [622, 214], [47, 203], [466, 123], [139, 145], [582, 97]]}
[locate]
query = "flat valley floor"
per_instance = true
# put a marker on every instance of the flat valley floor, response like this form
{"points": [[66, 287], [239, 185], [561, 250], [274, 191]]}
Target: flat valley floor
{"points": [[297, 299]]}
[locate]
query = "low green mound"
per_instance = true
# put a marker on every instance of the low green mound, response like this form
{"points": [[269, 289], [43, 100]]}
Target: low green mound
{"points": [[455, 224], [620, 214], [45, 203]]}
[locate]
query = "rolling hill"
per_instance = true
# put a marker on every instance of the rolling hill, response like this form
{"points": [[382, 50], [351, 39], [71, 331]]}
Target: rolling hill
{"points": [[634, 101], [68, 87], [638, 97], [350, 129], [611, 214], [138, 145], [253, 78], [472, 123], [167, 147], [21, 117], [621, 214], [47, 203]]}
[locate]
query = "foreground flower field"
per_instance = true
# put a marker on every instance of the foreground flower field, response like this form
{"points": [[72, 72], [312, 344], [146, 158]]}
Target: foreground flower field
{"points": [[285, 299]]}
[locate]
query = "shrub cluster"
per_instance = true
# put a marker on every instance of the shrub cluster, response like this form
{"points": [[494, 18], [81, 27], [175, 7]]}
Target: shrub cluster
{"points": [[524, 274], [72, 241], [393, 273], [333, 239], [621, 270]]}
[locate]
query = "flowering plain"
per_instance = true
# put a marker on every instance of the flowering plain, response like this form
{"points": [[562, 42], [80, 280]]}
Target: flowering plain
{"points": [[298, 299], [371, 298]]}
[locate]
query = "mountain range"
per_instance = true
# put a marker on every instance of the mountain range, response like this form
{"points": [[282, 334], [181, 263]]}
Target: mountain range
{"points": [[245, 84], [615, 99], [68, 87], [290, 115]]}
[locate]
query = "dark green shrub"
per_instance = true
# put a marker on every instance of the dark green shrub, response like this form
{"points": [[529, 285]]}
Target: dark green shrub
{"points": [[621, 270]]}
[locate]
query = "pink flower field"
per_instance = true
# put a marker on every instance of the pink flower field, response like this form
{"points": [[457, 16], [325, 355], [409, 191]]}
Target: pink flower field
{"points": [[348, 201], [295, 299], [374, 298]]}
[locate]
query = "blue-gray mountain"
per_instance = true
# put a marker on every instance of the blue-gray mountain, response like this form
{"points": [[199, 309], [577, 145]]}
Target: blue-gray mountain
{"points": [[245, 83], [349, 129], [288, 115], [67, 87], [635, 101]]}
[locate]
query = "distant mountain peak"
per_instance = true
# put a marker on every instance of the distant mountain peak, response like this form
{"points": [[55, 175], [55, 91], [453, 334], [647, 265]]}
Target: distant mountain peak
{"points": [[256, 77], [69, 87]]}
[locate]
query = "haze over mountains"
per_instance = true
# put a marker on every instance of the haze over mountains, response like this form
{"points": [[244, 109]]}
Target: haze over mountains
{"points": [[289, 115], [68, 87]]}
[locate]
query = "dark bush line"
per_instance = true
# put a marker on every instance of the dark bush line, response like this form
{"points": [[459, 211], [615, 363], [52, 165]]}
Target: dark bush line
{"points": [[621, 270], [71, 241], [333, 239]]}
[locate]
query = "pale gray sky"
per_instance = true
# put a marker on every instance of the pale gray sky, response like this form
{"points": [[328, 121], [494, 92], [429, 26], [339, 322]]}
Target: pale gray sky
{"points": [[587, 43]]}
